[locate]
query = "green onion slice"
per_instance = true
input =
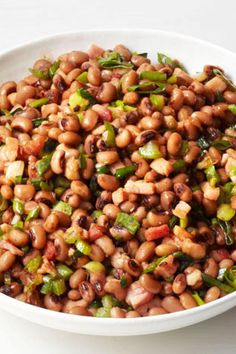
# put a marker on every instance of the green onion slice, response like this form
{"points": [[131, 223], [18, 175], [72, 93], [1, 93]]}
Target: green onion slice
{"points": [[150, 151], [129, 222], [63, 207]]}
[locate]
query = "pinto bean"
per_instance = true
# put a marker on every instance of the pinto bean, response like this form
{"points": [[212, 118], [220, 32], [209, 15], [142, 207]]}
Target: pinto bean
{"points": [[6, 261], [171, 304], [38, 236], [18, 238], [106, 93], [24, 192], [174, 144]]}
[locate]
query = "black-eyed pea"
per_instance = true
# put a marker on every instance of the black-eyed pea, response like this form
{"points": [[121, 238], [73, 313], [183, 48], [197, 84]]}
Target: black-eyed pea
{"points": [[89, 120], [212, 294], [58, 161], [187, 300]]}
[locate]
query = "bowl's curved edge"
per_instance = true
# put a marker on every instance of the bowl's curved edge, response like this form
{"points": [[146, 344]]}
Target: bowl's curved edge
{"points": [[116, 327]]}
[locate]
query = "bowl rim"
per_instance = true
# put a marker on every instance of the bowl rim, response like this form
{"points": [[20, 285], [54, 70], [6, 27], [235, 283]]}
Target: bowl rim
{"points": [[172, 34], [45, 313]]}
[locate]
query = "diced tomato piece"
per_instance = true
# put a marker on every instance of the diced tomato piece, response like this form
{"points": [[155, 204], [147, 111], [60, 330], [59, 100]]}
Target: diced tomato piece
{"points": [[95, 231], [50, 251], [153, 233], [103, 112]]}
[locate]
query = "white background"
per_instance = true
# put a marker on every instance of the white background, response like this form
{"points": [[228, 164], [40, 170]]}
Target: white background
{"points": [[23, 20]]}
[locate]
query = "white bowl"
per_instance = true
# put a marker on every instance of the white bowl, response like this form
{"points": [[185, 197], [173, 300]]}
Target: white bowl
{"points": [[194, 54]]}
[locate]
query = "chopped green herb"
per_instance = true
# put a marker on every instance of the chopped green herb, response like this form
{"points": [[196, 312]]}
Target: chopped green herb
{"points": [[123, 282], [64, 271], [25, 249], [144, 87], [53, 285], [96, 213], [232, 108], [38, 121], [4, 112], [198, 298], [184, 260], [121, 105], [172, 80], [84, 94], [16, 110], [38, 103], [212, 176], [33, 265], [113, 60], [103, 312], [183, 222], [150, 151], [58, 286], [83, 77], [102, 169], [110, 140], [221, 144], [178, 165], [71, 238], [33, 214], [94, 267], [153, 76], [230, 188], [19, 225], [219, 97], [152, 266], [62, 182], [78, 103], [125, 171], [184, 148], [225, 212], [130, 222], [107, 301], [165, 60], [54, 67], [7, 278], [49, 146], [83, 246], [63, 207], [157, 101], [3, 204], [18, 207], [173, 221], [95, 304], [44, 164], [82, 158], [59, 191], [43, 75], [46, 186], [232, 172], [93, 185], [210, 281], [228, 82], [230, 276]]}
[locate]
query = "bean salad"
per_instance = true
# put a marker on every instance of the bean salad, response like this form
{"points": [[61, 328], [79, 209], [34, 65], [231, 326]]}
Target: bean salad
{"points": [[117, 185]]}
